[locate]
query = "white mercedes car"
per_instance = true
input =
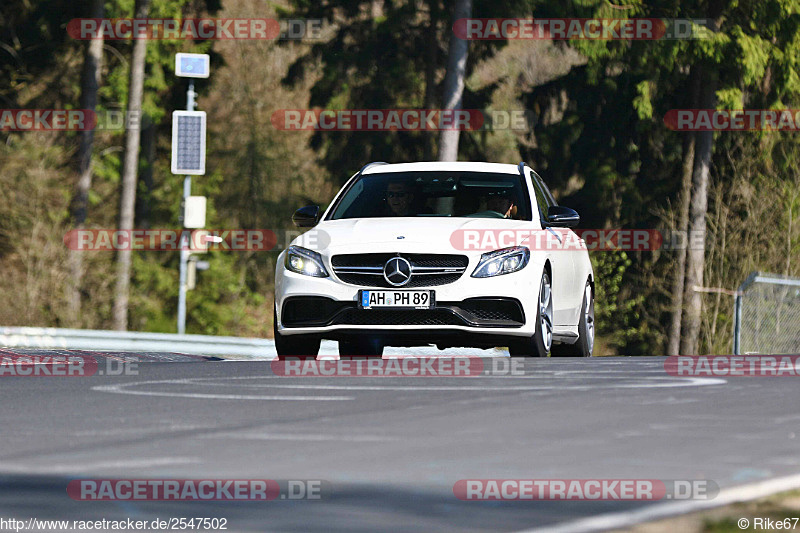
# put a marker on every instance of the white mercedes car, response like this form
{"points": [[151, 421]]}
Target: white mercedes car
{"points": [[450, 254]]}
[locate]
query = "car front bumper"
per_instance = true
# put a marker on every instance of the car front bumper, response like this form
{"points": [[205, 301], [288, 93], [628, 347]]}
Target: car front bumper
{"points": [[502, 306]]}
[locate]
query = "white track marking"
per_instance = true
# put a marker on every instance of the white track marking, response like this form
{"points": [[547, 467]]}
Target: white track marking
{"points": [[319, 437], [644, 382], [123, 389], [72, 468], [539, 376], [117, 432], [625, 519], [682, 382]]}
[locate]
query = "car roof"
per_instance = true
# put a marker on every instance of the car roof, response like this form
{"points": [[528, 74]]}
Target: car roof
{"points": [[456, 166]]}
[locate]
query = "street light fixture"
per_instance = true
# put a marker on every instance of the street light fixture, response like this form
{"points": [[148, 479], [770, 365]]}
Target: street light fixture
{"points": [[189, 158]]}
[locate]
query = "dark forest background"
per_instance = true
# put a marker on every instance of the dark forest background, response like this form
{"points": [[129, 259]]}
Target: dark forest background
{"points": [[598, 139]]}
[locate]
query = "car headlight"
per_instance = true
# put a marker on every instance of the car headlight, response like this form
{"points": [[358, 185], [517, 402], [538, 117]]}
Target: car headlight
{"points": [[501, 262], [303, 261]]}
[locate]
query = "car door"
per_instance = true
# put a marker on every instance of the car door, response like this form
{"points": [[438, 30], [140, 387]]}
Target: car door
{"points": [[561, 258]]}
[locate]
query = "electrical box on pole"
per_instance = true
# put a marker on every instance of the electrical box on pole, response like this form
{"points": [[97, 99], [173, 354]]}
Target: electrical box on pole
{"points": [[194, 212], [194, 266], [191, 275]]}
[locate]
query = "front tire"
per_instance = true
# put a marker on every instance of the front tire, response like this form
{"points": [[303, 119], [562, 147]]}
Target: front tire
{"points": [[585, 344], [300, 346], [542, 340]]}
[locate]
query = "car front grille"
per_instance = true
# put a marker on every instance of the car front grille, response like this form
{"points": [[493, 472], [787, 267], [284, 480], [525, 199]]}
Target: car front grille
{"points": [[427, 270], [494, 309], [398, 317], [378, 281], [310, 311]]}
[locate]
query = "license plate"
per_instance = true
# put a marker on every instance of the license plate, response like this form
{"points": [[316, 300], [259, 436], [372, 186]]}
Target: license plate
{"points": [[396, 299]]}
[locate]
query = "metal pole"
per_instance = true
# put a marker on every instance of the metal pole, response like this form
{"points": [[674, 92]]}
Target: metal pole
{"points": [[737, 325], [187, 191]]}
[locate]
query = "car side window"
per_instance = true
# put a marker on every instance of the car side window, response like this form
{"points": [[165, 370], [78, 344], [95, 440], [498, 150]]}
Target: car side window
{"points": [[541, 199], [547, 194]]}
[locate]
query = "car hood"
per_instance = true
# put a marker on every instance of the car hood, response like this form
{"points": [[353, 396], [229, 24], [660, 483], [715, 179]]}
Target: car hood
{"points": [[428, 234]]}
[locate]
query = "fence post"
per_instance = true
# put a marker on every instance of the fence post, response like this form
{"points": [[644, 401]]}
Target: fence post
{"points": [[737, 325]]}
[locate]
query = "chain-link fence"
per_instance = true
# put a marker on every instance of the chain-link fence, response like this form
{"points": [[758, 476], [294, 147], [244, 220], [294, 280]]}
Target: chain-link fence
{"points": [[767, 315]]}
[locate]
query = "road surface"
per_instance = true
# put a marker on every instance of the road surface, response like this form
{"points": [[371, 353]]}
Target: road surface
{"points": [[389, 449]]}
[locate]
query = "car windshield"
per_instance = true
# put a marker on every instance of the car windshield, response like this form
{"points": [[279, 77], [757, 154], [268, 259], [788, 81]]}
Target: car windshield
{"points": [[435, 194]]}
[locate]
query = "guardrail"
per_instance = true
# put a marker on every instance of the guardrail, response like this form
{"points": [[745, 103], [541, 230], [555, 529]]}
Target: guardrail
{"points": [[127, 341]]}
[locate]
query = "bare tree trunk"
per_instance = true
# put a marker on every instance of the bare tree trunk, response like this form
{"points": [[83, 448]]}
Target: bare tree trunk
{"points": [[148, 152], [454, 82], [90, 83], [673, 346], [129, 170], [674, 342], [431, 66], [695, 258]]}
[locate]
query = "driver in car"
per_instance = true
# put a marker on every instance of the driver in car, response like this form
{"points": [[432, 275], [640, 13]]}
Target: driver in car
{"points": [[497, 206], [399, 199]]}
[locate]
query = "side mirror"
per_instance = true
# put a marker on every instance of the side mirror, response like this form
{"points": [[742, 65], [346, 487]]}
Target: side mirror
{"points": [[562, 217], [306, 217]]}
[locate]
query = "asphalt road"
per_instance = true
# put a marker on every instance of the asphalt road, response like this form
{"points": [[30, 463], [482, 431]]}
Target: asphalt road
{"points": [[389, 449]]}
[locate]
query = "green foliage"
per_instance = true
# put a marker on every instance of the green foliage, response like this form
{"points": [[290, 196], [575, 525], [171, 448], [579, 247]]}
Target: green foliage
{"points": [[380, 62], [730, 98], [754, 54], [600, 142], [643, 103], [617, 307]]}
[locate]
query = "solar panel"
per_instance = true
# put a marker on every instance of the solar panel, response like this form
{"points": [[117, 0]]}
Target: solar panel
{"points": [[189, 142]]}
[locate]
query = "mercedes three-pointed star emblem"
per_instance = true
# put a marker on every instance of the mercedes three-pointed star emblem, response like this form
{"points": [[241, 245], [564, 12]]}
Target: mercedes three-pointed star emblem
{"points": [[397, 271]]}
